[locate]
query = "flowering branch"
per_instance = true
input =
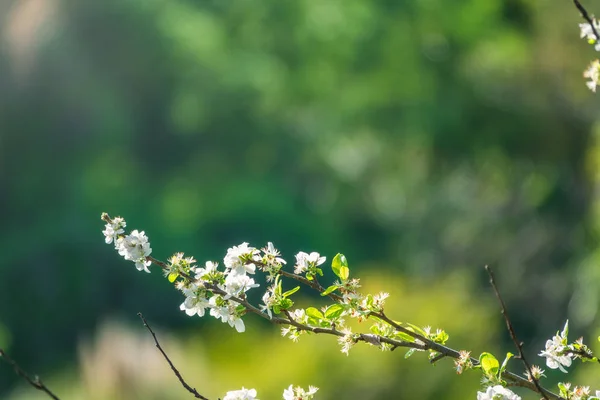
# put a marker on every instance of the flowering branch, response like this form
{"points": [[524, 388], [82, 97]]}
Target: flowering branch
{"points": [[589, 31], [585, 15], [175, 371], [530, 371], [224, 295], [36, 382]]}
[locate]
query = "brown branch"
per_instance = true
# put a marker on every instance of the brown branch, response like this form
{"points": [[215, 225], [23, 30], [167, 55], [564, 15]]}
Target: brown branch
{"points": [[513, 335], [36, 382], [422, 344], [175, 371], [585, 15]]}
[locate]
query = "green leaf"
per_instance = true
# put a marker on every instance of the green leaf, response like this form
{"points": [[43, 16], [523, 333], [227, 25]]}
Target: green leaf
{"points": [[276, 309], [339, 263], [334, 311], [416, 329], [404, 336], [172, 276], [489, 364], [291, 292], [410, 353], [565, 331], [286, 304], [509, 355], [314, 313], [329, 290]]}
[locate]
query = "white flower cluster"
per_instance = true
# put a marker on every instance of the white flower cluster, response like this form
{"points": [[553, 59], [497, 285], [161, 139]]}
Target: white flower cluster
{"points": [[306, 262], [133, 247], [593, 74], [593, 71], [233, 282], [297, 393], [291, 393], [242, 394], [577, 393], [497, 392], [555, 351]]}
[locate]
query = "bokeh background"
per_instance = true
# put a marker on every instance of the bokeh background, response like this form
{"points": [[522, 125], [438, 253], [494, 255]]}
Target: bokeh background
{"points": [[423, 139]]}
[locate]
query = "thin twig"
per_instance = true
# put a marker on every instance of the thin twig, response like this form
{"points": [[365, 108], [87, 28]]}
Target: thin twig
{"points": [[175, 371], [587, 17], [36, 382], [513, 335]]}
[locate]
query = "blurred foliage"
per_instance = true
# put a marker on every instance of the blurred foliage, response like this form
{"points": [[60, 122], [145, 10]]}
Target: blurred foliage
{"points": [[423, 137]]}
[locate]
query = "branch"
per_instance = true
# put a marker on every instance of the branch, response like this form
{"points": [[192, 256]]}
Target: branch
{"points": [[513, 335], [421, 342], [587, 17], [175, 371], [36, 382]]}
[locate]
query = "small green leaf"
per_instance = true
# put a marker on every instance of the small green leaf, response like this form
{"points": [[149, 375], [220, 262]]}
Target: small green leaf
{"points": [[410, 353], [344, 273], [172, 276], [314, 313], [339, 262], [489, 364], [329, 290], [276, 309], [509, 355], [404, 336], [291, 292], [565, 331], [286, 304], [416, 329], [334, 311], [319, 271]]}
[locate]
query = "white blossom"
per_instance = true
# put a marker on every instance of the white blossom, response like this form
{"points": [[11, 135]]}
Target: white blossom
{"points": [[593, 74], [297, 393], [497, 392], [304, 261], [239, 258], [195, 303], [226, 313], [114, 229], [587, 32], [555, 348], [135, 247], [236, 284], [210, 267], [242, 394], [272, 254], [346, 341]]}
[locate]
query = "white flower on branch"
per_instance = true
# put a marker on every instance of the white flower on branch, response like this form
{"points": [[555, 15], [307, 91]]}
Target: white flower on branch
{"points": [[497, 392], [240, 259], [587, 32], [297, 393], [195, 302], [346, 341], [226, 312], [236, 284], [209, 270], [593, 74], [135, 247], [242, 394], [555, 351], [305, 261], [114, 229]]}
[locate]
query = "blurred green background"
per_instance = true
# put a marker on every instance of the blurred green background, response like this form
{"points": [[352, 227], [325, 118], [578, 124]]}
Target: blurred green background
{"points": [[423, 139]]}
